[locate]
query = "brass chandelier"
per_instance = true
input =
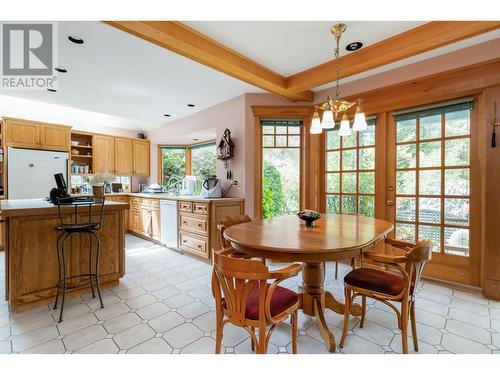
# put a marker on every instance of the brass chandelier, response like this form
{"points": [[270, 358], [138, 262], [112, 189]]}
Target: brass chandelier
{"points": [[326, 113]]}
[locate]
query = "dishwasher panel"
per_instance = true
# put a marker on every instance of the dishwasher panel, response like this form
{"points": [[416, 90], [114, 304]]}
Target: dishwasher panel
{"points": [[168, 223]]}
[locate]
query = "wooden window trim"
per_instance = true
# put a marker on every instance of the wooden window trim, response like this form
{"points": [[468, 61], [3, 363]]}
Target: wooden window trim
{"points": [[188, 166], [309, 182]]}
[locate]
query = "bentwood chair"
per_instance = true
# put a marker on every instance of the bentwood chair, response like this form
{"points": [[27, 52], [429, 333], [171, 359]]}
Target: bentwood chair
{"points": [[388, 286], [244, 297], [229, 221]]}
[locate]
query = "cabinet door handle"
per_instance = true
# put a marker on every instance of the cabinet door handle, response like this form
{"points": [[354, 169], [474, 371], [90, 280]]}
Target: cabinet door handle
{"points": [[200, 225]]}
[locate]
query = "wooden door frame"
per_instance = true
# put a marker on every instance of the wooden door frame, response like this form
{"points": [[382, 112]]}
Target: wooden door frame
{"points": [[445, 266], [309, 163]]}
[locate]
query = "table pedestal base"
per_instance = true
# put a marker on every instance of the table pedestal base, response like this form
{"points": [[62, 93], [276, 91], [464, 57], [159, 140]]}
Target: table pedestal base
{"points": [[315, 300]]}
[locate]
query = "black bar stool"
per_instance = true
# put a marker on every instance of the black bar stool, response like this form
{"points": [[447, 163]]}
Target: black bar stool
{"points": [[82, 227]]}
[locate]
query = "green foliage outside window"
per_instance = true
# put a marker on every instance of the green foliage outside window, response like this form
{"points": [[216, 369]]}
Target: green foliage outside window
{"points": [[273, 202], [203, 160], [173, 164]]}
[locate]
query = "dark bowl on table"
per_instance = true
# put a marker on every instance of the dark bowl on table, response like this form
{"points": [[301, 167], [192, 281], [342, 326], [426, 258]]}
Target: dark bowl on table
{"points": [[309, 217]]}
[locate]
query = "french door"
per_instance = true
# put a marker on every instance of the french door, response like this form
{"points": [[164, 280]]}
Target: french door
{"points": [[416, 169], [430, 194]]}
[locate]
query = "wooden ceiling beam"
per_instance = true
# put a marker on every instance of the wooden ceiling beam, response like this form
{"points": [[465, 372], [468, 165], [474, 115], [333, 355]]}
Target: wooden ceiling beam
{"points": [[186, 41], [421, 39]]}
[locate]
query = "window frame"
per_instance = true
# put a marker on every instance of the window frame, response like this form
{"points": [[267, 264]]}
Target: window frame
{"points": [[188, 162], [357, 148], [300, 147], [309, 183]]}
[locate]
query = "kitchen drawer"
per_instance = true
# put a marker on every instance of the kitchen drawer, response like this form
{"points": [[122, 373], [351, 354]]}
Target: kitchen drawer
{"points": [[200, 208], [135, 201], [154, 202], [194, 244], [193, 223], [186, 206]]}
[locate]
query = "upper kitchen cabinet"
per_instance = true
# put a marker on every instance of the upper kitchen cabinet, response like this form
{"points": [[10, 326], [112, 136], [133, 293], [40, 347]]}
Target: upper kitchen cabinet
{"points": [[55, 137], [36, 135], [141, 151], [104, 154], [21, 133], [123, 156]]}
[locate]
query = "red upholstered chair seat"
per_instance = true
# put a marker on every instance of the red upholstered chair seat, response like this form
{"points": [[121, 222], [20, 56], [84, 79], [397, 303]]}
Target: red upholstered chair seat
{"points": [[375, 280], [281, 300]]}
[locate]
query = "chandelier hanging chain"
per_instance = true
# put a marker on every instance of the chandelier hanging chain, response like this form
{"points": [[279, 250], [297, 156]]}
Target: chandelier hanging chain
{"points": [[337, 54], [326, 113]]}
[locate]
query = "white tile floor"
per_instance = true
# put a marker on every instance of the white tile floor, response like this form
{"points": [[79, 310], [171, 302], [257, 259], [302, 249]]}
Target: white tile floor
{"points": [[164, 305]]}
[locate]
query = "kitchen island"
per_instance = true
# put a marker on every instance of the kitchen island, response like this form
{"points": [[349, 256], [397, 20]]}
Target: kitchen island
{"points": [[30, 249]]}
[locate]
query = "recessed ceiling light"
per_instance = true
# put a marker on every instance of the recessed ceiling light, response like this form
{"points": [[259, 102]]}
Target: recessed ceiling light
{"points": [[166, 115], [75, 39], [60, 70], [191, 105], [354, 46], [195, 139], [52, 90]]}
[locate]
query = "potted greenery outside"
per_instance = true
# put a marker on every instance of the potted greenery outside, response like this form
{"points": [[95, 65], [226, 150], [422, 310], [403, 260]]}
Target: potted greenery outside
{"points": [[98, 181]]}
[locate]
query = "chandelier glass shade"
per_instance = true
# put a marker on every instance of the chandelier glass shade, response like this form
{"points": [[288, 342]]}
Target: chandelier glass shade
{"points": [[316, 125], [336, 108]]}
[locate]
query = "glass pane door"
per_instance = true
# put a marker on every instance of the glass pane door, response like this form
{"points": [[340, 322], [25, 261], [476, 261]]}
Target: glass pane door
{"points": [[281, 146], [432, 188]]}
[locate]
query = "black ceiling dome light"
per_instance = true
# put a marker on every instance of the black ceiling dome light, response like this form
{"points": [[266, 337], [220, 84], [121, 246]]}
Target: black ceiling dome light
{"points": [[354, 46], [60, 70], [166, 115], [52, 90], [75, 39], [191, 105]]}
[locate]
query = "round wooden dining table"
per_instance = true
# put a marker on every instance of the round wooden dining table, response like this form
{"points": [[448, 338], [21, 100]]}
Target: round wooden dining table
{"points": [[333, 237]]}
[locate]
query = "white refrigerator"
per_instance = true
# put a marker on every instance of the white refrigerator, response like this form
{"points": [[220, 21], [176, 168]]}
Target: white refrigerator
{"points": [[31, 172]]}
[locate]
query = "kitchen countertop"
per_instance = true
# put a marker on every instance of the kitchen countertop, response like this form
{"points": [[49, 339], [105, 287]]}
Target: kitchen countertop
{"points": [[189, 198], [182, 197], [19, 207]]}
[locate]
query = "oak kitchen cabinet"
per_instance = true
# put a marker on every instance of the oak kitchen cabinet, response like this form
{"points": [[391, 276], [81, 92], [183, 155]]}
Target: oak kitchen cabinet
{"points": [[144, 217], [123, 199], [37, 135], [141, 157], [197, 220], [123, 156], [55, 137], [104, 153]]}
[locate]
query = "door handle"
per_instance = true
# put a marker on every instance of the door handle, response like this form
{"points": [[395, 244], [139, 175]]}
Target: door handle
{"points": [[389, 202]]}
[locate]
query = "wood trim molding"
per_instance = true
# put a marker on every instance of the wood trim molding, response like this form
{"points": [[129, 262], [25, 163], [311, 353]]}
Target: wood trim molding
{"points": [[281, 111], [421, 39], [465, 81], [186, 41]]}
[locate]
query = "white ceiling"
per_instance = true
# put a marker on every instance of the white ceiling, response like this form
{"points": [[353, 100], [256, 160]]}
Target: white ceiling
{"points": [[289, 47], [119, 74]]}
